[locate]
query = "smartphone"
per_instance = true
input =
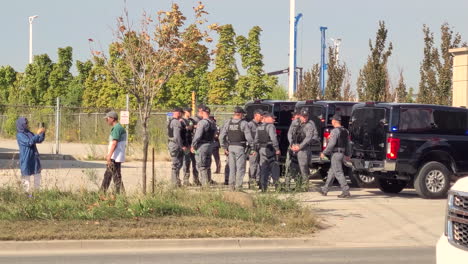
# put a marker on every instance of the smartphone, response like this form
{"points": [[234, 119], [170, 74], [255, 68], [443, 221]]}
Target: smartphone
{"points": [[41, 125]]}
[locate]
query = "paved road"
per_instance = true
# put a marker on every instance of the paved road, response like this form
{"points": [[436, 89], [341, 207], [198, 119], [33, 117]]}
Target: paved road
{"points": [[267, 256]]}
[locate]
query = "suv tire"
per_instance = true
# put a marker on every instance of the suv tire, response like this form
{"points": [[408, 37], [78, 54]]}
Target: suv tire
{"points": [[432, 180], [360, 180], [391, 186]]}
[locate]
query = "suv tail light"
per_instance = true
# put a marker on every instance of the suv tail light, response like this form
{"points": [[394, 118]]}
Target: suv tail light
{"points": [[278, 132], [393, 146], [326, 136]]}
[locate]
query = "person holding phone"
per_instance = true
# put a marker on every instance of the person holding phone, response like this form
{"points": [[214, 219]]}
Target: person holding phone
{"points": [[29, 161]]}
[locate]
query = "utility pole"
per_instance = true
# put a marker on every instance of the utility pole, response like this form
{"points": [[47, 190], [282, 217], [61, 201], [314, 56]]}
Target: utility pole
{"points": [[296, 21], [292, 58], [323, 63], [31, 19]]}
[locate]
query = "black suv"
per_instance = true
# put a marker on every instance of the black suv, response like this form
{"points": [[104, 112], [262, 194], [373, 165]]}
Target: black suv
{"points": [[321, 113], [283, 111], [410, 145]]}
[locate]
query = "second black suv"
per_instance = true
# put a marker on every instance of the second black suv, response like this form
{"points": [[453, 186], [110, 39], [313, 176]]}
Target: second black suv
{"points": [[406, 145]]}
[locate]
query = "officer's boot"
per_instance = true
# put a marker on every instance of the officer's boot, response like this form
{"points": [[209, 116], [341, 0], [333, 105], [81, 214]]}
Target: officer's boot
{"points": [[187, 179], [345, 194], [175, 180]]}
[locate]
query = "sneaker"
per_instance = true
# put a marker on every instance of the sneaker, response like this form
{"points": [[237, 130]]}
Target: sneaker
{"points": [[344, 195], [322, 192]]}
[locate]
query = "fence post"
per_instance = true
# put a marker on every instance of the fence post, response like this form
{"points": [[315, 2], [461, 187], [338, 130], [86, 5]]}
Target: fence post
{"points": [[153, 176], [95, 123], [57, 126], [79, 127]]}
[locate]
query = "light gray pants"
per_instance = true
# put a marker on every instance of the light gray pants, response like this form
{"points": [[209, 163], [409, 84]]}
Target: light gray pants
{"points": [[237, 162], [336, 171], [268, 167], [203, 158], [189, 161], [254, 167], [177, 156], [303, 157]]}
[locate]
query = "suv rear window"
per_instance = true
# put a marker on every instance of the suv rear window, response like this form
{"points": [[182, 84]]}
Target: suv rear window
{"points": [[368, 131], [416, 120], [433, 121], [344, 111], [283, 113]]}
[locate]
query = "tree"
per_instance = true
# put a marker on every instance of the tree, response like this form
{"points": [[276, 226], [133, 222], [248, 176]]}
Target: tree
{"points": [[428, 69], [309, 86], [74, 91], [336, 75], [410, 95], [348, 94], [36, 80], [60, 76], [222, 79], [449, 40], [278, 93], [144, 59], [401, 94], [7, 80], [373, 77], [255, 83]]}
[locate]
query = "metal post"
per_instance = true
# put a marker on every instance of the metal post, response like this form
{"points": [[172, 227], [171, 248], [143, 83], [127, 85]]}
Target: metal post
{"points": [[323, 64], [95, 123], [127, 101], [194, 102], [79, 127], [57, 127], [296, 21], [292, 59], [153, 176]]}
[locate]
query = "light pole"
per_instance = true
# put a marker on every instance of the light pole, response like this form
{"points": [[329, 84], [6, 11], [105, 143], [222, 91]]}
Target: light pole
{"points": [[31, 19], [292, 59]]}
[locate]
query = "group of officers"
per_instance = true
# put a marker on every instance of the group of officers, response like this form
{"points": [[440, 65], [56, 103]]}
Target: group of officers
{"points": [[194, 140]]}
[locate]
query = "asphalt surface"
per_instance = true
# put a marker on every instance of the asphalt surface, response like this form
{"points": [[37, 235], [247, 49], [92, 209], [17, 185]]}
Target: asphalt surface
{"points": [[268, 256]]}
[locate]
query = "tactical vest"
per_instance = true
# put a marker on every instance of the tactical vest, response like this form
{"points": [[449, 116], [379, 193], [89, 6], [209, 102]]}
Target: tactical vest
{"points": [[170, 131], [183, 131], [262, 135], [235, 134], [299, 134], [209, 133], [254, 131], [343, 138]]}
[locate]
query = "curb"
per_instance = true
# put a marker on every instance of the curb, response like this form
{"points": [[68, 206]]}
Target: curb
{"points": [[14, 156], [57, 245]]}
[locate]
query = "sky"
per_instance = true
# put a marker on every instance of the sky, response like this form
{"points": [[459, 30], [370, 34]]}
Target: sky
{"points": [[71, 23]]}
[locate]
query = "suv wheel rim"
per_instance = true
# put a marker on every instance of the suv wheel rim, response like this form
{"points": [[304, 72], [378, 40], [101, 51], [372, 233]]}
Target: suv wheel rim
{"points": [[435, 181], [366, 179]]}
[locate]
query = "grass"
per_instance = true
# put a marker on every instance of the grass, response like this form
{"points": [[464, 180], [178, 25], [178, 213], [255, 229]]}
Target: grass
{"points": [[181, 213]]}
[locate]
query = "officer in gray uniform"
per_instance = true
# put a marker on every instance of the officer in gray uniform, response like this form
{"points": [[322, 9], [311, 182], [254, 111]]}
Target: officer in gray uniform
{"points": [[304, 135], [291, 166], [254, 158], [267, 145], [235, 137], [177, 135], [202, 144], [189, 157], [338, 148]]}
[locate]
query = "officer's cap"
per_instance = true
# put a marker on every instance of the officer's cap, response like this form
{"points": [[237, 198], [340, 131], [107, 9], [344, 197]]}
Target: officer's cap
{"points": [[337, 117], [239, 110], [267, 114], [177, 109], [258, 112], [204, 108], [187, 109], [304, 112]]}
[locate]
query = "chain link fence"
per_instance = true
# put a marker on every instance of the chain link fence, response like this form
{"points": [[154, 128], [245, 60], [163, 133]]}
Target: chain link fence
{"points": [[87, 125]]}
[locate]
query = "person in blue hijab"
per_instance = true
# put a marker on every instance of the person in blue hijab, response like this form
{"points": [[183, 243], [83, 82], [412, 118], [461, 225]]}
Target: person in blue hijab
{"points": [[28, 154]]}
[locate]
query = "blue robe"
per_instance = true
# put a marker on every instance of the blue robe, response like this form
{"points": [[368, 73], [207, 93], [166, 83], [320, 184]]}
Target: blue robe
{"points": [[28, 154]]}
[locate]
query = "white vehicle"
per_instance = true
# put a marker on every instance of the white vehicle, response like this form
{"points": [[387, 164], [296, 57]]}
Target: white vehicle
{"points": [[452, 247]]}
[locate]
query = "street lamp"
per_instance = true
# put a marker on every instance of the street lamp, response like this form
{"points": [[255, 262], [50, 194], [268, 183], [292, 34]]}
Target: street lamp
{"points": [[31, 19]]}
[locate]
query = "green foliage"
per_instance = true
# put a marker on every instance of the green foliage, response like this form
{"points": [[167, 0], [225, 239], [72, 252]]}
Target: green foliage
{"points": [[410, 95], [309, 86], [255, 84], [222, 79], [373, 82], [401, 93], [336, 76], [7, 81], [74, 92], [278, 93], [60, 76], [428, 69], [36, 80]]}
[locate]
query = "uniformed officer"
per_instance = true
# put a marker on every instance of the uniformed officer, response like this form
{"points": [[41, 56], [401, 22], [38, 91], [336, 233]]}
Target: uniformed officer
{"points": [[304, 135], [268, 148], [254, 158], [338, 148], [291, 166], [202, 144], [189, 157], [216, 146], [177, 135], [235, 137]]}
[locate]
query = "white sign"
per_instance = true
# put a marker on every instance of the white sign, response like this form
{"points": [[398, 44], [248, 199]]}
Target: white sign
{"points": [[124, 117]]}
